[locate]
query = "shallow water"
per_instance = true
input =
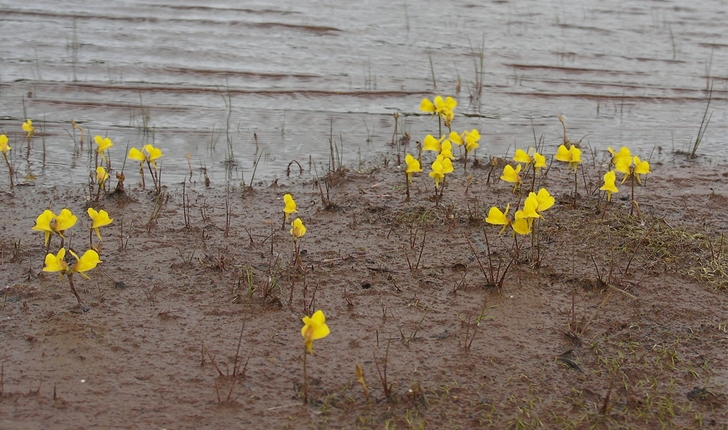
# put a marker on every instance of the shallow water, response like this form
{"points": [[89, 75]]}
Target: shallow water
{"points": [[630, 73]]}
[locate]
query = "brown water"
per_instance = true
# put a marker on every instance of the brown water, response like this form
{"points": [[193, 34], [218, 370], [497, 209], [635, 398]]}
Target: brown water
{"points": [[630, 73]]}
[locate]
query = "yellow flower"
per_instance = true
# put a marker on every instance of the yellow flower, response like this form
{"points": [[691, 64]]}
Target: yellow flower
{"points": [[622, 159], [496, 217], [446, 150], [153, 154], [149, 155], [101, 176], [530, 206], [609, 178], [625, 163], [457, 138], [471, 140], [103, 145], [640, 168], [545, 200], [28, 128], [43, 223], [63, 221], [4, 147], [99, 219], [48, 222], [57, 263], [314, 328], [297, 229], [522, 156], [539, 161], [136, 155], [571, 156], [521, 224], [444, 108], [512, 175], [432, 144], [413, 166], [290, 205], [440, 167], [438, 105], [89, 260]]}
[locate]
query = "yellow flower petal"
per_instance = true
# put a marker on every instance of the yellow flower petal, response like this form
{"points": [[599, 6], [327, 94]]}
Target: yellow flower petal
{"points": [[530, 205], [314, 328], [297, 229], [136, 155], [89, 260], [65, 220], [103, 143], [496, 217], [522, 156], [4, 147], [289, 205], [56, 263], [432, 144], [545, 200], [427, 106]]}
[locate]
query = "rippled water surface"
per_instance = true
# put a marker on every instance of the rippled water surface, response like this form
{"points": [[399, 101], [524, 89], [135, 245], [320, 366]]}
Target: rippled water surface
{"points": [[204, 77]]}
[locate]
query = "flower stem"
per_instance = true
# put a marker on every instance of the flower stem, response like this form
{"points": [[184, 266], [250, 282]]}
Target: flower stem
{"points": [[305, 376], [10, 170], [73, 289], [576, 183], [406, 179], [631, 204]]}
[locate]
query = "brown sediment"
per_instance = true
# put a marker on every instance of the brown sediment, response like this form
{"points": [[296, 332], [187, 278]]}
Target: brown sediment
{"points": [[623, 322]]}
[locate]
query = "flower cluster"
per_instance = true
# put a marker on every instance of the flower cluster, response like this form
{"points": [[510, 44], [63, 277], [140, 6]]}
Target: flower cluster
{"points": [[444, 108], [522, 220], [630, 166]]}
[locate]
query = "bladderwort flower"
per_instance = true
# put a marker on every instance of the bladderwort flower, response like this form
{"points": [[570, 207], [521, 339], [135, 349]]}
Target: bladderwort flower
{"points": [[530, 158], [432, 144], [530, 207], [289, 205], [519, 224], [49, 223], [621, 157], [57, 263], [297, 231], [572, 155], [512, 175], [443, 108], [149, 155], [544, 198], [102, 145], [413, 166], [101, 176], [469, 139], [314, 328], [98, 219], [4, 148], [440, 167], [28, 129], [632, 169], [609, 184]]}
